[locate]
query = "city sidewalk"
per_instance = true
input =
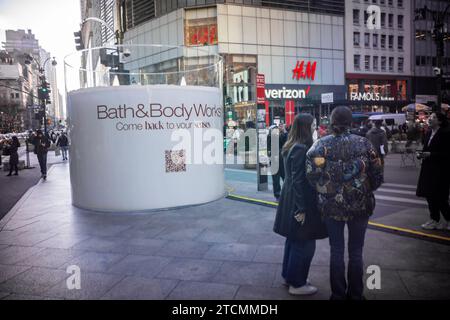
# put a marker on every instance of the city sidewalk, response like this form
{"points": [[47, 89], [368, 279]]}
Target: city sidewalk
{"points": [[222, 250], [13, 188]]}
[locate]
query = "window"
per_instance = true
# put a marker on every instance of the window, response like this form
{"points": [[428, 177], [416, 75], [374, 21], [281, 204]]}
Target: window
{"points": [[357, 61], [383, 41], [417, 60], [390, 2], [17, 96], [366, 17], [382, 1], [400, 64], [375, 40], [356, 16], [391, 42], [400, 22], [12, 95], [367, 63], [367, 40], [391, 21], [400, 3], [391, 64], [383, 63], [400, 43], [421, 35], [383, 19], [375, 63], [356, 39]]}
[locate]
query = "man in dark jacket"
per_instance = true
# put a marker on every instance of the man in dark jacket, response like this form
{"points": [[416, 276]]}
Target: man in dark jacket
{"points": [[63, 143], [379, 140], [280, 134], [345, 170], [41, 145], [434, 178]]}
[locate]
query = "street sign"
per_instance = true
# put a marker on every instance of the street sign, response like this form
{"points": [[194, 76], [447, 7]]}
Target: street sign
{"points": [[260, 89], [327, 97]]}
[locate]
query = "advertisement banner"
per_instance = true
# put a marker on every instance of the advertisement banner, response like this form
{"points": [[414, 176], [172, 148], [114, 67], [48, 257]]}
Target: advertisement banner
{"points": [[289, 111], [145, 147], [260, 89]]}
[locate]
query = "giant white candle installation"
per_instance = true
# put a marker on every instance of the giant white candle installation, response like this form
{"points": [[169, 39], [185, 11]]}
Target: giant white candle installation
{"points": [[146, 147]]}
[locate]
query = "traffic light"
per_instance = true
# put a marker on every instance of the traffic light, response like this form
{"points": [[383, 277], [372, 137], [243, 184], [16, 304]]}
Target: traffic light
{"points": [[78, 40]]}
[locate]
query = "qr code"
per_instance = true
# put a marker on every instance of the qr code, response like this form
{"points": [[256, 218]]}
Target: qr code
{"points": [[175, 160]]}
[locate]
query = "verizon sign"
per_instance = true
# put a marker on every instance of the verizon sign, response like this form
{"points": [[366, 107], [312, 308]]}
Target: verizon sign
{"points": [[284, 93], [366, 96]]}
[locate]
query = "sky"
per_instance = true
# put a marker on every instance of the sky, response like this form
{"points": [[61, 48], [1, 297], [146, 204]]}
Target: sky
{"points": [[53, 22]]}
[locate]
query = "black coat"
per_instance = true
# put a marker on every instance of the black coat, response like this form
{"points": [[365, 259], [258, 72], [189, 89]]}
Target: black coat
{"points": [[434, 178], [13, 154], [297, 195], [41, 145]]}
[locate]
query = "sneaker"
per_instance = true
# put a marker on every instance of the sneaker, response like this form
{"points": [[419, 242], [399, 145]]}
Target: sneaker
{"points": [[306, 290], [430, 225], [44, 177], [443, 225]]}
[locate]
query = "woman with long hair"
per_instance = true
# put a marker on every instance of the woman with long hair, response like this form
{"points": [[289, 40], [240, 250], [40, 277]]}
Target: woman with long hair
{"points": [[297, 217]]}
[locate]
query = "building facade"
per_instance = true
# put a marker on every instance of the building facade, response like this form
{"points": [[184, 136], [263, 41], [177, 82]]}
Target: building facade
{"points": [[424, 54], [299, 47], [378, 47]]}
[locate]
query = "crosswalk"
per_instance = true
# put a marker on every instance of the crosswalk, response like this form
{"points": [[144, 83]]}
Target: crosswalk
{"points": [[389, 193], [400, 194]]}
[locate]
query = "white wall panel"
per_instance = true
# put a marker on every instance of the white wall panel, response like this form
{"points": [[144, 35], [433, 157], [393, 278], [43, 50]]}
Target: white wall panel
{"points": [[339, 72], [302, 34], [263, 26], [289, 64], [338, 38], [250, 33], [276, 32], [235, 29], [326, 35], [222, 28], [290, 33], [250, 49], [314, 35], [278, 70], [265, 67], [327, 71]]}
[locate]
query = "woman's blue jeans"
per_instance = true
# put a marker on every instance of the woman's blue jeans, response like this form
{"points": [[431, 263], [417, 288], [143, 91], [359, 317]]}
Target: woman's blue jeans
{"points": [[297, 260], [356, 233]]}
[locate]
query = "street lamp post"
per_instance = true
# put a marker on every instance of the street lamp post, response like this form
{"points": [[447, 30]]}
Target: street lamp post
{"points": [[438, 33], [43, 84]]}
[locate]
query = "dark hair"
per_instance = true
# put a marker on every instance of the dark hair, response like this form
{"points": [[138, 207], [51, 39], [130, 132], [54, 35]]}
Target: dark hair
{"points": [[378, 123], [341, 119], [300, 132], [442, 118], [16, 140]]}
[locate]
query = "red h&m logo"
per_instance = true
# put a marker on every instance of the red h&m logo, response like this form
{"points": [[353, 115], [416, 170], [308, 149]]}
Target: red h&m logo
{"points": [[299, 71]]}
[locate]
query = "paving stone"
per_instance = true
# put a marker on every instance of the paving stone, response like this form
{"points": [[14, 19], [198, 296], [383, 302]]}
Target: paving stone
{"points": [[427, 284], [268, 293], [232, 252], [14, 254], [8, 237], [99, 244], [95, 261], [3, 246], [269, 254], [27, 297], [140, 265], [219, 237], [180, 233], [141, 246], [4, 295], [184, 249], [93, 286], [136, 288], [262, 238], [30, 238], [7, 271], [246, 273], [191, 290], [34, 281], [190, 269], [62, 241], [51, 258]]}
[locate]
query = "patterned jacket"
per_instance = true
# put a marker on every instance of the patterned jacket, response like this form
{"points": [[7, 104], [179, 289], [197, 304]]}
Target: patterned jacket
{"points": [[345, 171]]}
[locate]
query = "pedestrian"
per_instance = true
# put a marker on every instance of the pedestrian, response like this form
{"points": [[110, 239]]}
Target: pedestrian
{"points": [[13, 147], [379, 140], [297, 218], [277, 165], [63, 143], [41, 145], [345, 170], [434, 177]]}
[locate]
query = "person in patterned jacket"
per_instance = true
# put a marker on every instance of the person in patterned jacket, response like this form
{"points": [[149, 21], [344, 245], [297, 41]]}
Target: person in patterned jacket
{"points": [[345, 169]]}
